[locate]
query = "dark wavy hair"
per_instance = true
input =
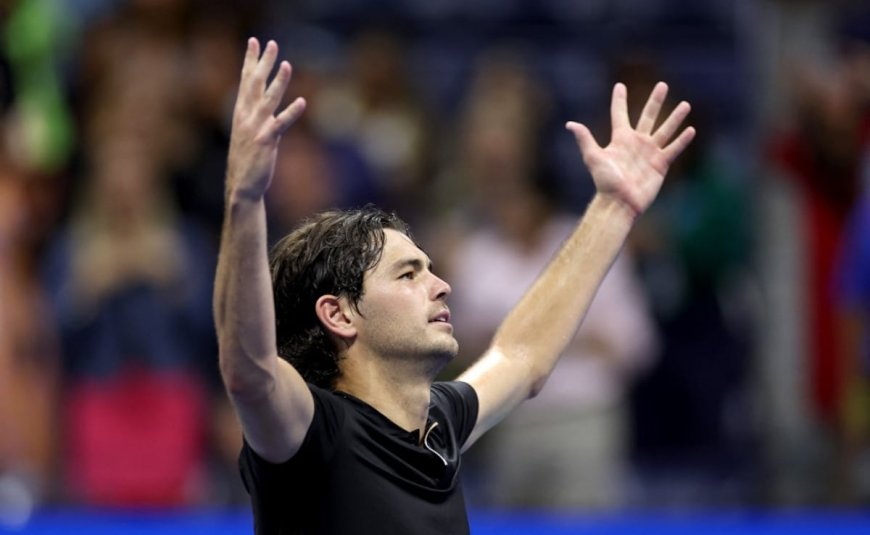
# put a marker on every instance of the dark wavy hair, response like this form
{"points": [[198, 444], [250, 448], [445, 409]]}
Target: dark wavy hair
{"points": [[328, 253]]}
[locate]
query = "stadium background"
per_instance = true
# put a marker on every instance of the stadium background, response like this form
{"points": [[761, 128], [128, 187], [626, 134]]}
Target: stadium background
{"points": [[750, 414]]}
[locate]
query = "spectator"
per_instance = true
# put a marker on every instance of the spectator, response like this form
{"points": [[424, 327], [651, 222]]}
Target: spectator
{"points": [[28, 357], [130, 285], [572, 437]]}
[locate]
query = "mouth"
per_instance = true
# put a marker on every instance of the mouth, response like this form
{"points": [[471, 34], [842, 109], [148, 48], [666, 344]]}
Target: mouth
{"points": [[441, 317]]}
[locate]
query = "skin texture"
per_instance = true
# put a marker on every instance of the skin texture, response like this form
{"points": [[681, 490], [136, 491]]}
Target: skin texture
{"points": [[270, 397], [403, 300], [392, 345]]}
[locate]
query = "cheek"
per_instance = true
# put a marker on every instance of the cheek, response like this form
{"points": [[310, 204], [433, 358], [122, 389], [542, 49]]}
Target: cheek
{"points": [[390, 311], [386, 324], [380, 308]]}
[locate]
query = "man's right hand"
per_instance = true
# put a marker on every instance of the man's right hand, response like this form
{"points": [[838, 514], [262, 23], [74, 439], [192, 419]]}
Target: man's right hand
{"points": [[256, 128]]}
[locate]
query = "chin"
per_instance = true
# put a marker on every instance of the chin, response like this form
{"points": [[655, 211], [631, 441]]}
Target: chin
{"points": [[438, 359], [445, 352], [450, 348]]}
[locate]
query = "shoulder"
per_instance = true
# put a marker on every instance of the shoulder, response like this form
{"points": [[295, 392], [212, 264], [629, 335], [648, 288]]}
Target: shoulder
{"points": [[452, 393], [456, 403], [330, 413]]}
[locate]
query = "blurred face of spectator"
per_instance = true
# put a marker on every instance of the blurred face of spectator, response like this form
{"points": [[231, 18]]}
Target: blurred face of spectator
{"points": [[829, 113], [498, 159], [378, 66], [500, 121], [304, 180], [502, 117], [500, 166], [213, 69], [123, 188]]}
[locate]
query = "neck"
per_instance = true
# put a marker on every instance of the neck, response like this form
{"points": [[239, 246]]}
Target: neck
{"points": [[401, 397]]}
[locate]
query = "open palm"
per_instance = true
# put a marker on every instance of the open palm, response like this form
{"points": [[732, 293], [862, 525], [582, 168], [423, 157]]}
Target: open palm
{"points": [[257, 124], [633, 166]]}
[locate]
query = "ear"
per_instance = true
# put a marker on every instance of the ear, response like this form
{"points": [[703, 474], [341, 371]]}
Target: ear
{"points": [[336, 315]]}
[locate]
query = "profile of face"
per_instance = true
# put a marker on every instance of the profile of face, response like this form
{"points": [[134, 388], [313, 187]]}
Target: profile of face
{"points": [[403, 312]]}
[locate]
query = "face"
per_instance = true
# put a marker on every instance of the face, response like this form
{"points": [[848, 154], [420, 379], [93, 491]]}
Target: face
{"points": [[403, 310]]}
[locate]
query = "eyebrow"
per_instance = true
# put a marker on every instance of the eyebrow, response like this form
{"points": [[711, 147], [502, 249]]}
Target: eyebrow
{"points": [[414, 263]]}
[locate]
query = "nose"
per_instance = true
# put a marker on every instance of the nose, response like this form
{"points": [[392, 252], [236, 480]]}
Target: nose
{"points": [[440, 288]]}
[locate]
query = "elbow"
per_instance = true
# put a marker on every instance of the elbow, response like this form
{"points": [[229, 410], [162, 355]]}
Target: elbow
{"points": [[510, 367], [234, 383], [531, 360], [536, 384], [534, 371], [540, 366]]}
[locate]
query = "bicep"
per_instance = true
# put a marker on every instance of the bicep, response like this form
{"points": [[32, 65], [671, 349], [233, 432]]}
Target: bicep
{"points": [[501, 384], [275, 423]]}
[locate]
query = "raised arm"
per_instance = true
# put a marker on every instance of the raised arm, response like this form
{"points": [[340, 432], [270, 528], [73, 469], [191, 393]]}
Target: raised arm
{"points": [[628, 174], [270, 397]]}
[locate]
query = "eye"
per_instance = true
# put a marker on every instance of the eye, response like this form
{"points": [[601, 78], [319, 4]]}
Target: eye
{"points": [[407, 275]]}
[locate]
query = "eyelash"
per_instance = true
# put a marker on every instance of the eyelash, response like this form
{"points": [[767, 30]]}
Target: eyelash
{"points": [[409, 275]]}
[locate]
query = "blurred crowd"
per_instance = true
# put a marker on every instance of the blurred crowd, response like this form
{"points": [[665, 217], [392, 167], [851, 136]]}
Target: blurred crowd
{"points": [[725, 360]]}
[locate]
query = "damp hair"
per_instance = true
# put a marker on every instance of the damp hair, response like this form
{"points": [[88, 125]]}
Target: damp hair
{"points": [[328, 253]]}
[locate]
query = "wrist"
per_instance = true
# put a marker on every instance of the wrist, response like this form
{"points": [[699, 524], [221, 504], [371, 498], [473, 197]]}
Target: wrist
{"points": [[239, 195], [614, 208]]}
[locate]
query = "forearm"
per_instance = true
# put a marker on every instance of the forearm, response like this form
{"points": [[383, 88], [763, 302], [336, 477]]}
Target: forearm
{"points": [[545, 320], [244, 308]]}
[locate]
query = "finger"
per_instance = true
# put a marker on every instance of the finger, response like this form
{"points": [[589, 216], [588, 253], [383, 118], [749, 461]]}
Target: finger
{"points": [[619, 106], [668, 128], [678, 145], [584, 138], [289, 115], [251, 54], [276, 89], [651, 109], [264, 67]]}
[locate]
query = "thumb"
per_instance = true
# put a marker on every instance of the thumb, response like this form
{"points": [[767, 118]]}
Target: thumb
{"points": [[583, 136]]}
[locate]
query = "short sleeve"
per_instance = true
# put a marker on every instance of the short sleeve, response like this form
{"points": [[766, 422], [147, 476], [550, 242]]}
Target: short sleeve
{"points": [[259, 475], [458, 401]]}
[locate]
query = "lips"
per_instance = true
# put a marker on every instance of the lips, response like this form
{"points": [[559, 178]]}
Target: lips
{"points": [[441, 317]]}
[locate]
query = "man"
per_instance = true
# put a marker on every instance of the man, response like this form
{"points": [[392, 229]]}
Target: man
{"points": [[364, 441]]}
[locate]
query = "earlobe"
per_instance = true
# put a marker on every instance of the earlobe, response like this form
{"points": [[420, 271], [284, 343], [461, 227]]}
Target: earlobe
{"points": [[333, 312]]}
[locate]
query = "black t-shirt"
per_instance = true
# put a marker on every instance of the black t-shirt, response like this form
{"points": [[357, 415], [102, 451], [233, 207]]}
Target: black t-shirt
{"points": [[358, 472]]}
